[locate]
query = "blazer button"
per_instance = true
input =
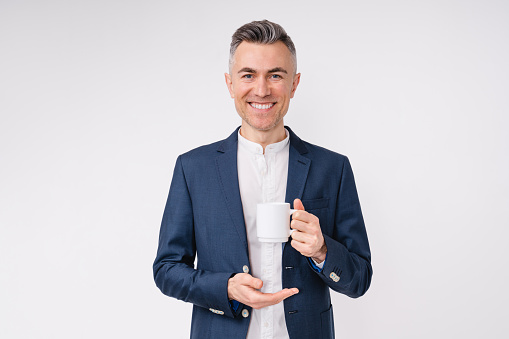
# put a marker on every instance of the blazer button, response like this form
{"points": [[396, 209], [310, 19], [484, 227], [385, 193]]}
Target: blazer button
{"points": [[245, 313], [334, 277], [216, 311], [245, 269]]}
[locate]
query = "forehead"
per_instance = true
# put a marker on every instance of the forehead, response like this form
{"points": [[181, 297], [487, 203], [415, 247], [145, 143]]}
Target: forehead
{"points": [[262, 56]]}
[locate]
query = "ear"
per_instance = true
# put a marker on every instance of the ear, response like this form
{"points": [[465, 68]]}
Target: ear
{"points": [[229, 83], [296, 80]]}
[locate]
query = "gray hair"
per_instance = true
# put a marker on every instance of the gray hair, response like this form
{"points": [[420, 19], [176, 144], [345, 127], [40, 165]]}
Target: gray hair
{"points": [[261, 32]]}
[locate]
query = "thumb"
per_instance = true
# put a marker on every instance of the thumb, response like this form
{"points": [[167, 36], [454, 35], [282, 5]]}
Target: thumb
{"points": [[297, 204], [255, 283]]}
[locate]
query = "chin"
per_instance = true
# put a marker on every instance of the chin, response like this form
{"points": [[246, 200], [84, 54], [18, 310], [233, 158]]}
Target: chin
{"points": [[264, 126], [262, 123]]}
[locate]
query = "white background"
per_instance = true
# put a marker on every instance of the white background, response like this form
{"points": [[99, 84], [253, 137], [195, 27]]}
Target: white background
{"points": [[98, 98]]}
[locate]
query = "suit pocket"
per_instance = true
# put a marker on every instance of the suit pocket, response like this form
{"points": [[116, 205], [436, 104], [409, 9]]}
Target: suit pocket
{"points": [[315, 204], [319, 208], [327, 318]]}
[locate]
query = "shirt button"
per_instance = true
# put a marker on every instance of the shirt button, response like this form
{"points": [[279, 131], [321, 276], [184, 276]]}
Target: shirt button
{"points": [[245, 313], [245, 269]]}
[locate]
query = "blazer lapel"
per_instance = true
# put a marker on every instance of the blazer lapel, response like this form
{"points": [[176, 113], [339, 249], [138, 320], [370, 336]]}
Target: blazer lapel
{"points": [[298, 168], [226, 164]]}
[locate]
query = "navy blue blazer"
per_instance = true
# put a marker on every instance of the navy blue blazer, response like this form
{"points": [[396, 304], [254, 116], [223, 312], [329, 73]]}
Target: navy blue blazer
{"points": [[204, 218]]}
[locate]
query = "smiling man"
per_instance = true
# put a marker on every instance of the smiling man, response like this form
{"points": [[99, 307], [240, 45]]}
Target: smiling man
{"points": [[262, 81], [241, 287]]}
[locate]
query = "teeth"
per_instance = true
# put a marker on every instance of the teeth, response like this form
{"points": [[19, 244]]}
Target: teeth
{"points": [[262, 106]]}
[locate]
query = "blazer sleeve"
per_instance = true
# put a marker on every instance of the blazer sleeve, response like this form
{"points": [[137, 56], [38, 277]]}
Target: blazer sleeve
{"points": [[347, 268], [173, 268]]}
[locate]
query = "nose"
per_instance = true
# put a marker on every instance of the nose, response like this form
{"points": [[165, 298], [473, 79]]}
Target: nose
{"points": [[262, 88]]}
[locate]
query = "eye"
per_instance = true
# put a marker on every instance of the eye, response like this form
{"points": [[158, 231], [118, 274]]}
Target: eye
{"points": [[247, 76], [276, 76]]}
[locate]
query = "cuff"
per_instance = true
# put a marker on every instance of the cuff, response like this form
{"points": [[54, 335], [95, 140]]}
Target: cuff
{"points": [[234, 305], [317, 267]]}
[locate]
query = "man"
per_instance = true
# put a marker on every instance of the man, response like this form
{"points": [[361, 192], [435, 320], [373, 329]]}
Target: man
{"points": [[241, 287]]}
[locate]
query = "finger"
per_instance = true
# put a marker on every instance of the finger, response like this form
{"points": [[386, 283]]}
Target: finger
{"points": [[303, 216], [248, 280], [297, 245], [297, 204], [243, 278], [301, 237], [269, 299], [283, 294], [299, 225], [255, 283], [301, 247]]}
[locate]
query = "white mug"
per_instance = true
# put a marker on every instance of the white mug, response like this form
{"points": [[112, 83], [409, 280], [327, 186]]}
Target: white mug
{"points": [[273, 221]]}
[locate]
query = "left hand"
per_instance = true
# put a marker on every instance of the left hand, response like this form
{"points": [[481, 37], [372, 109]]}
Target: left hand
{"points": [[307, 237]]}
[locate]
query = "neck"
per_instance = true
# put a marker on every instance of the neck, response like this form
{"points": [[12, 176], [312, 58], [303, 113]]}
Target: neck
{"points": [[263, 138]]}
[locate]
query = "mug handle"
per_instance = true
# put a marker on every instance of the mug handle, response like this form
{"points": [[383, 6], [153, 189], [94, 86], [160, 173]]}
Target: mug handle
{"points": [[292, 230]]}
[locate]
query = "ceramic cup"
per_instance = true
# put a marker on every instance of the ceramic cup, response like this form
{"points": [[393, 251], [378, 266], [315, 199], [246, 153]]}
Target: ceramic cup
{"points": [[273, 221]]}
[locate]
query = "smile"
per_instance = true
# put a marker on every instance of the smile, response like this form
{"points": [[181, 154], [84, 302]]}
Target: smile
{"points": [[261, 106]]}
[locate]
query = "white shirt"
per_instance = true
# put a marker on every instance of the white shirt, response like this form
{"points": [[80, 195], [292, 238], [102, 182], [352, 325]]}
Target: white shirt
{"points": [[262, 178]]}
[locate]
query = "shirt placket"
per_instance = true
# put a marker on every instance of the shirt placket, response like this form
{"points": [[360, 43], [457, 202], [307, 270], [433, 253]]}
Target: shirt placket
{"points": [[268, 192]]}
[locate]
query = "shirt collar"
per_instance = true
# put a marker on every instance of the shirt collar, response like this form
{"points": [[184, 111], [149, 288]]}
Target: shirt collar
{"points": [[255, 148]]}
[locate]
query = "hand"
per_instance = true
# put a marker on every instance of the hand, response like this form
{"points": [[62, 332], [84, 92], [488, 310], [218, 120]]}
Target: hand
{"points": [[307, 237], [243, 287]]}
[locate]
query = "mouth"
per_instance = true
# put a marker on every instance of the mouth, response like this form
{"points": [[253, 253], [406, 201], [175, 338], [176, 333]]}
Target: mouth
{"points": [[264, 106]]}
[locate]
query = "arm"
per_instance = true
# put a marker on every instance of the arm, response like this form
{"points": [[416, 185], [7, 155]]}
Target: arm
{"points": [[244, 288], [174, 271], [348, 266]]}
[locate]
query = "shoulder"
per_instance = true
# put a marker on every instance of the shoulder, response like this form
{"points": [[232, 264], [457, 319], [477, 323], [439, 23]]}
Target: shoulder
{"points": [[325, 161], [202, 151], [209, 152], [316, 153], [202, 154], [322, 152]]}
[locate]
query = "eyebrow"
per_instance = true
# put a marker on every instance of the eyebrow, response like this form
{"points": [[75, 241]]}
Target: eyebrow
{"points": [[278, 70], [273, 70], [247, 70]]}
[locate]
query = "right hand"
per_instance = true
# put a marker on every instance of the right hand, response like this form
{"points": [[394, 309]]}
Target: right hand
{"points": [[243, 287]]}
